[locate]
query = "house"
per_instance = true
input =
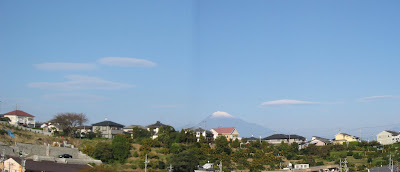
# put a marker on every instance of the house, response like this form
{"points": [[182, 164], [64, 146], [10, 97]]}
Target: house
{"points": [[51, 127], [107, 129], [130, 128], [319, 141], [301, 166], [384, 169], [340, 138], [154, 128], [388, 137], [19, 117], [84, 130], [206, 167], [279, 138], [252, 139], [208, 135], [230, 133], [14, 164]]}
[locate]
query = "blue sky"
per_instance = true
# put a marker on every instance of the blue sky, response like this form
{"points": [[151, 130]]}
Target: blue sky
{"points": [[286, 65]]}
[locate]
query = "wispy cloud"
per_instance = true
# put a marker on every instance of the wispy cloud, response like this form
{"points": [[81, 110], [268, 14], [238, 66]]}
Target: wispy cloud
{"points": [[65, 66], [79, 82], [126, 62], [374, 98], [286, 102], [221, 114], [74, 97], [166, 106]]}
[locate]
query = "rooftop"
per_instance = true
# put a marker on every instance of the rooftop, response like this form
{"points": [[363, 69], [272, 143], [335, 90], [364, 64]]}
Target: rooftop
{"points": [[19, 113], [284, 136], [225, 130], [108, 123]]}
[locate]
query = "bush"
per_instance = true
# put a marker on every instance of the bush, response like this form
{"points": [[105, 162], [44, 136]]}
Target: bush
{"points": [[135, 154], [357, 156]]}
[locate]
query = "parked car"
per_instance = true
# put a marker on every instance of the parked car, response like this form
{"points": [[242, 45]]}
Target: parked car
{"points": [[65, 156]]}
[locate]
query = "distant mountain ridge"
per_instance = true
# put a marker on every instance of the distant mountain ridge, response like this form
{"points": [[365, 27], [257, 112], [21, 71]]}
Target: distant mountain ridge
{"points": [[244, 128]]}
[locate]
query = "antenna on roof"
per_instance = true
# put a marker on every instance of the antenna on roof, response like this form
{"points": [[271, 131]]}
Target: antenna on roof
{"points": [[105, 119]]}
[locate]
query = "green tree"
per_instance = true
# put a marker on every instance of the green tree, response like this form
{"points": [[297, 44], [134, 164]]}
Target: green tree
{"points": [[235, 143], [103, 152], [120, 147], [184, 161], [69, 121], [139, 133], [222, 145]]}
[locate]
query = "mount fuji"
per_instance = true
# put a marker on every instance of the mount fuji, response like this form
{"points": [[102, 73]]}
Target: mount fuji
{"points": [[245, 129]]}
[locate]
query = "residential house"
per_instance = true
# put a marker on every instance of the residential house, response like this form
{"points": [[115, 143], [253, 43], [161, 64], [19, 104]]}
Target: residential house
{"points": [[388, 137], [14, 164], [315, 140], [208, 135], [107, 129], [319, 141], [279, 138], [252, 139], [230, 133], [301, 166], [51, 127], [208, 167], [340, 138], [384, 169], [154, 128], [84, 130], [19, 117], [130, 128]]}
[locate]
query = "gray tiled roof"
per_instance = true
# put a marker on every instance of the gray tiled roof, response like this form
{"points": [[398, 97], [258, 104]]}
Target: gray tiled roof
{"points": [[284, 136], [394, 133], [108, 123]]}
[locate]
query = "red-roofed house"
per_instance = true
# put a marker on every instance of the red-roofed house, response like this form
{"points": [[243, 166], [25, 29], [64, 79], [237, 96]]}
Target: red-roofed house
{"points": [[20, 117], [229, 132]]}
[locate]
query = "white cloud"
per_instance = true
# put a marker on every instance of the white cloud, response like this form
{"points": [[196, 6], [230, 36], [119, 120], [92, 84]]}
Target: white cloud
{"points": [[65, 66], [221, 114], [74, 97], [286, 102], [373, 98], [126, 62], [79, 82]]}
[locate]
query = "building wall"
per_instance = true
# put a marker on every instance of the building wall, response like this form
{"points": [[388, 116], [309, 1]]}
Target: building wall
{"points": [[30, 121], [386, 138], [345, 138], [12, 166]]}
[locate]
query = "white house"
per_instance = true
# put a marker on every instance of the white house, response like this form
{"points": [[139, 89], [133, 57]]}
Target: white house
{"points": [[388, 137], [154, 128], [19, 117], [51, 127]]}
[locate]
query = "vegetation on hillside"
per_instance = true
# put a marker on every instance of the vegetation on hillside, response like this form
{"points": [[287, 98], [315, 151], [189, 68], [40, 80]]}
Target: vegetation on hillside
{"points": [[181, 150]]}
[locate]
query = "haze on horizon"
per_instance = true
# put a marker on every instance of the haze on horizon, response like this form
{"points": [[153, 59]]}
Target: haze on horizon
{"points": [[311, 65]]}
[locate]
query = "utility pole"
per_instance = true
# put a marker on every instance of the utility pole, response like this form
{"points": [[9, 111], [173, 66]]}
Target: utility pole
{"points": [[170, 169], [145, 164], [345, 165], [220, 166], [390, 163]]}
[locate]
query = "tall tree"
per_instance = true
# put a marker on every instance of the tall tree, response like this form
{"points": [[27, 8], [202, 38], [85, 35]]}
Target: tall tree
{"points": [[120, 147], [69, 121], [222, 145]]}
